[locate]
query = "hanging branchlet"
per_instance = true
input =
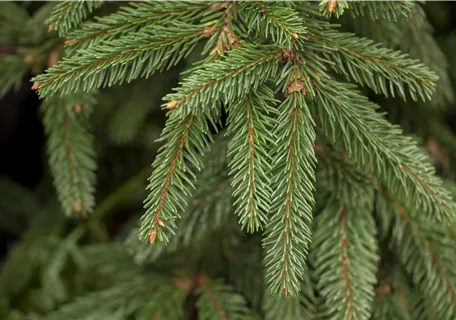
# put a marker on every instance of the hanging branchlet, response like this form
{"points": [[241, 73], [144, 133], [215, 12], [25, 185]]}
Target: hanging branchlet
{"points": [[421, 250], [332, 5], [288, 230], [250, 122], [186, 141], [408, 175], [333, 8], [283, 22], [138, 18], [71, 152], [63, 19], [344, 245], [159, 49], [241, 71], [226, 37]]}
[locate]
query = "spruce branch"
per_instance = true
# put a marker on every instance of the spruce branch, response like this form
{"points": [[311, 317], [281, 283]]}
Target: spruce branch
{"points": [[67, 15], [208, 210], [227, 79], [411, 34], [381, 69], [250, 122], [133, 19], [280, 22], [337, 176], [344, 256], [186, 140], [417, 39], [396, 299], [122, 300], [288, 231], [289, 308], [226, 37], [245, 268], [12, 69], [13, 13], [166, 303], [332, 7], [426, 251], [37, 244], [351, 122], [384, 9], [220, 301], [156, 49], [392, 11], [71, 151]]}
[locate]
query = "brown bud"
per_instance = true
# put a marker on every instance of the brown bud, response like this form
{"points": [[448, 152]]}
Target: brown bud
{"points": [[68, 41], [284, 291], [332, 5], [295, 35], [216, 5], [171, 105], [152, 236], [51, 28], [77, 108], [77, 207], [160, 223], [36, 86], [209, 31]]}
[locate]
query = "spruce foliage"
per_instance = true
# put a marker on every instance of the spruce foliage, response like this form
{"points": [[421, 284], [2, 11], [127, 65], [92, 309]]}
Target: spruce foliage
{"points": [[278, 188]]}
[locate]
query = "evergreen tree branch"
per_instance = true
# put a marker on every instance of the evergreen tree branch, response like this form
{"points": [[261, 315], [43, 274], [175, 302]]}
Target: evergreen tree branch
{"points": [[288, 231], [186, 140], [370, 140], [69, 14], [133, 19], [426, 252], [332, 7], [228, 79], [12, 17], [392, 11], [337, 176], [251, 124], [226, 37], [122, 60], [71, 152], [219, 301], [12, 70], [395, 299], [412, 34], [245, 269], [386, 9], [280, 22], [417, 40], [120, 301], [167, 303], [344, 256], [208, 210], [289, 308], [381, 69], [35, 247]]}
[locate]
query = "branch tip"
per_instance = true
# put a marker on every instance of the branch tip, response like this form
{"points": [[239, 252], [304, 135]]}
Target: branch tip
{"points": [[332, 5], [171, 105], [152, 236]]}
